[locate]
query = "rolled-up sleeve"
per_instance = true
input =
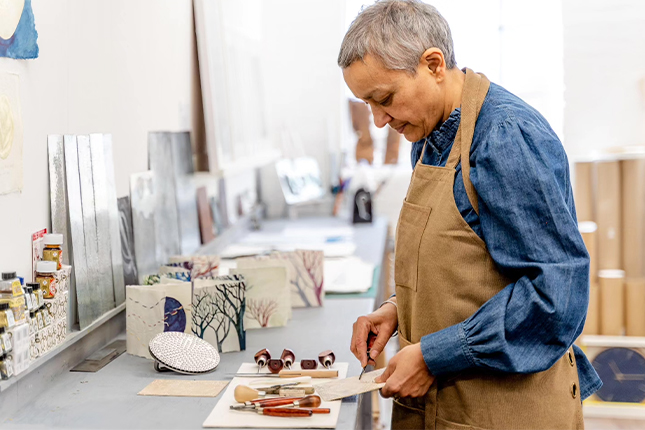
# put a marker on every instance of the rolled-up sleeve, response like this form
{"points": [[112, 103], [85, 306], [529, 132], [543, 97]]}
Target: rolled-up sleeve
{"points": [[520, 172]]}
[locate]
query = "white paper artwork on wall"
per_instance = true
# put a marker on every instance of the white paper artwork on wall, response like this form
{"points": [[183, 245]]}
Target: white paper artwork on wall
{"points": [[144, 317], [11, 134], [268, 297], [219, 306]]}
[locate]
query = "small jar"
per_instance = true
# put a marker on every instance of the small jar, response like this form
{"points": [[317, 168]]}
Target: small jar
{"points": [[5, 341], [45, 277], [33, 323], [38, 296], [13, 283], [6, 316], [53, 250], [4, 373], [40, 319], [29, 303], [47, 319]]}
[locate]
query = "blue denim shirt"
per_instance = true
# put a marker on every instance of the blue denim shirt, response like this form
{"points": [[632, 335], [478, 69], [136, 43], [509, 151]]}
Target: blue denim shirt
{"points": [[528, 221]]}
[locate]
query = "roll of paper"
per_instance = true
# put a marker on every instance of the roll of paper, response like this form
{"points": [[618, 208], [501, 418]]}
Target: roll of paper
{"points": [[584, 194], [589, 232], [592, 324], [608, 215], [612, 302], [633, 217], [635, 306]]}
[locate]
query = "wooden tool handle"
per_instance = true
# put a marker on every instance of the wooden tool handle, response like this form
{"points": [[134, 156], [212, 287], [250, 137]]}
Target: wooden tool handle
{"points": [[243, 394], [285, 412], [313, 373], [308, 402], [276, 401], [319, 410]]}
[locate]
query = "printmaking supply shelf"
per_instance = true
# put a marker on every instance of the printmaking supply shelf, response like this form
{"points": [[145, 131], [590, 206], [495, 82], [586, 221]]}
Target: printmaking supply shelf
{"points": [[72, 338]]}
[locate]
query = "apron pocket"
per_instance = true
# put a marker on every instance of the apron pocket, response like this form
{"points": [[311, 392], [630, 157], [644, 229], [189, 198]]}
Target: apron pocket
{"points": [[442, 424], [412, 223]]}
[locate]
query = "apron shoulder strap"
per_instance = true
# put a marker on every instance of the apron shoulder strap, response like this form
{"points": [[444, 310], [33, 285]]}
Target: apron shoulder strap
{"points": [[475, 89]]}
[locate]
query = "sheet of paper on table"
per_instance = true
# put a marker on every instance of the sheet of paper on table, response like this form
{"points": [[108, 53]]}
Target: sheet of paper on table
{"points": [[182, 388], [341, 388], [348, 275], [223, 416]]}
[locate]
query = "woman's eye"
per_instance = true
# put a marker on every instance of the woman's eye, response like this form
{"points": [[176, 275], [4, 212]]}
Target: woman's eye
{"points": [[386, 101]]}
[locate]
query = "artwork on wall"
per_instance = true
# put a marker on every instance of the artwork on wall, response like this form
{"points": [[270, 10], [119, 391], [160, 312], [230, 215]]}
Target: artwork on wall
{"points": [[145, 309], [142, 200], [127, 242], [11, 136], [300, 179], [219, 307], [205, 216], [268, 297], [200, 266], [18, 35]]}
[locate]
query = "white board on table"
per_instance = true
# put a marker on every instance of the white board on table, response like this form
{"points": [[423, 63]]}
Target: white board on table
{"points": [[223, 416]]}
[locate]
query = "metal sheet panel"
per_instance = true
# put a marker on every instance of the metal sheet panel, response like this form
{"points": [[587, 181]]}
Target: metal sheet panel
{"points": [[58, 191], [182, 158], [77, 236], [127, 242], [113, 215], [89, 294], [166, 216], [142, 199], [104, 268]]}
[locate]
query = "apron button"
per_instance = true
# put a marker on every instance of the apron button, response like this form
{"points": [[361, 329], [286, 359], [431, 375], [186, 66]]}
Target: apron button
{"points": [[570, 354], [574, 390]]}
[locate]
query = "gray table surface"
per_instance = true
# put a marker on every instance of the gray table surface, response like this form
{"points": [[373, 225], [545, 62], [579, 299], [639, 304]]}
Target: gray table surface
{"points": [[108, 399]]}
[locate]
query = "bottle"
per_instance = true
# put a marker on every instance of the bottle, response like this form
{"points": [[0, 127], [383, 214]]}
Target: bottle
{"points": [[34, 298], [45, 277], [5, 341], [11, 279], [53, 250], [28, 301], [6, 316], [40, 319], [4, 373], [47, 319], [38, 296], [33, 323]]}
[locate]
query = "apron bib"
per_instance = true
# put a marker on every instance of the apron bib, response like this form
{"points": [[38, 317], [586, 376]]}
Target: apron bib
{"points": [[443, 274]]}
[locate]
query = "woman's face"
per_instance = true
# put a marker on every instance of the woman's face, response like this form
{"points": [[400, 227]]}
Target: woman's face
{"points": [[411, 105]]}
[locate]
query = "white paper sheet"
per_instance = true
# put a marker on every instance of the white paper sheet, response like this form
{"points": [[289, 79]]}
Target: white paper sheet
{"points": [[348, 275], [223, 416]]}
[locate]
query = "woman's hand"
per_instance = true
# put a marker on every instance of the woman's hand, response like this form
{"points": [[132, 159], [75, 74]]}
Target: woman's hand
{"points": [[407, 374], [381, 323]]}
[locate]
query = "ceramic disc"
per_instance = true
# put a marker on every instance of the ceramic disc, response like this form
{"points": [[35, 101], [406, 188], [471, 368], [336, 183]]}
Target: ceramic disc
{"points": [[184, 352]]}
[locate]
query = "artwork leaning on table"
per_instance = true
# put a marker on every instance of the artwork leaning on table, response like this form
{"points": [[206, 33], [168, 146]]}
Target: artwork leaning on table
{"points": [[218, 309]]}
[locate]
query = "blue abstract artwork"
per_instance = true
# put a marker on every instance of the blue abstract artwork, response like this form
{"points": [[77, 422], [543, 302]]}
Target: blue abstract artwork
{"points": [[174, 315], [18, 35]]}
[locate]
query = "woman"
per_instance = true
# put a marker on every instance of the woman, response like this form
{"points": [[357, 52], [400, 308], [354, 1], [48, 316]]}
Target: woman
{"points": [[492, 275]]}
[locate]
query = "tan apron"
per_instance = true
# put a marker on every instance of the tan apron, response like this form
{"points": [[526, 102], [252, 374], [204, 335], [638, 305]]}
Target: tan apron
{"points": [[443, 274]]}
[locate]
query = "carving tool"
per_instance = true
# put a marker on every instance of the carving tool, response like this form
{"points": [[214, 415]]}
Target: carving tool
{"points": [[289, 357], [276, 365], [262, 357], [279, 412], [327, 358], [245, 393], [296, 402], [269, 382], [370, 343], [291, 374], [308, 364]]}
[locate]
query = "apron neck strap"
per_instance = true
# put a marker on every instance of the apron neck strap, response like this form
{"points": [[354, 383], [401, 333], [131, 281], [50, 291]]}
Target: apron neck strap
{"points": [[472, 98]]}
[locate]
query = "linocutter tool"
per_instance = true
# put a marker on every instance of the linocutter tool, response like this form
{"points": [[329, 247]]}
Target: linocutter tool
{"points": [[370, 343]]}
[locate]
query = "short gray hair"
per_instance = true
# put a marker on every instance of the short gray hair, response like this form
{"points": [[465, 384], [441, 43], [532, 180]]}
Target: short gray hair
{"points": [[397, 32]]}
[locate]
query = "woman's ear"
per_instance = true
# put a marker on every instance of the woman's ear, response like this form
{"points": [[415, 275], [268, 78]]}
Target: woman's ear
{"points": [[433, 61]]}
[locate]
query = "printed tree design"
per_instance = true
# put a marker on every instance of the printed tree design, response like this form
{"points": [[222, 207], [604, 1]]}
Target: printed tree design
{"points": [[261, 310], [220, 307], [313, 264]]}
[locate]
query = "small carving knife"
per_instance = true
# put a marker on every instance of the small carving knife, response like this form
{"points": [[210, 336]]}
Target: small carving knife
{"points": [[370, 343]]}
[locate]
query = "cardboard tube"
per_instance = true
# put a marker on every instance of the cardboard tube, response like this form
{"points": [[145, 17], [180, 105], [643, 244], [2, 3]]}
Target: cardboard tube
{"points": [[608, 215], [592, 324], [589, 232], [612, 302], [635, 306], [633, 217], [583, 194]]}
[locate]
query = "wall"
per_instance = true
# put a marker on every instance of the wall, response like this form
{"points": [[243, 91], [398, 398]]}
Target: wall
{"points": [[121, 66], [604, 71]]}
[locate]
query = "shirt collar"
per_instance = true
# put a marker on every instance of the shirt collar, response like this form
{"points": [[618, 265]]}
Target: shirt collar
{"points": [[440, 139]]}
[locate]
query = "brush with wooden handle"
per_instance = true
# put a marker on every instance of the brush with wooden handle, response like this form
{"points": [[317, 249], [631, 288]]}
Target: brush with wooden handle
{"points": [[295, 402], [245, 393], [281, 412]]}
